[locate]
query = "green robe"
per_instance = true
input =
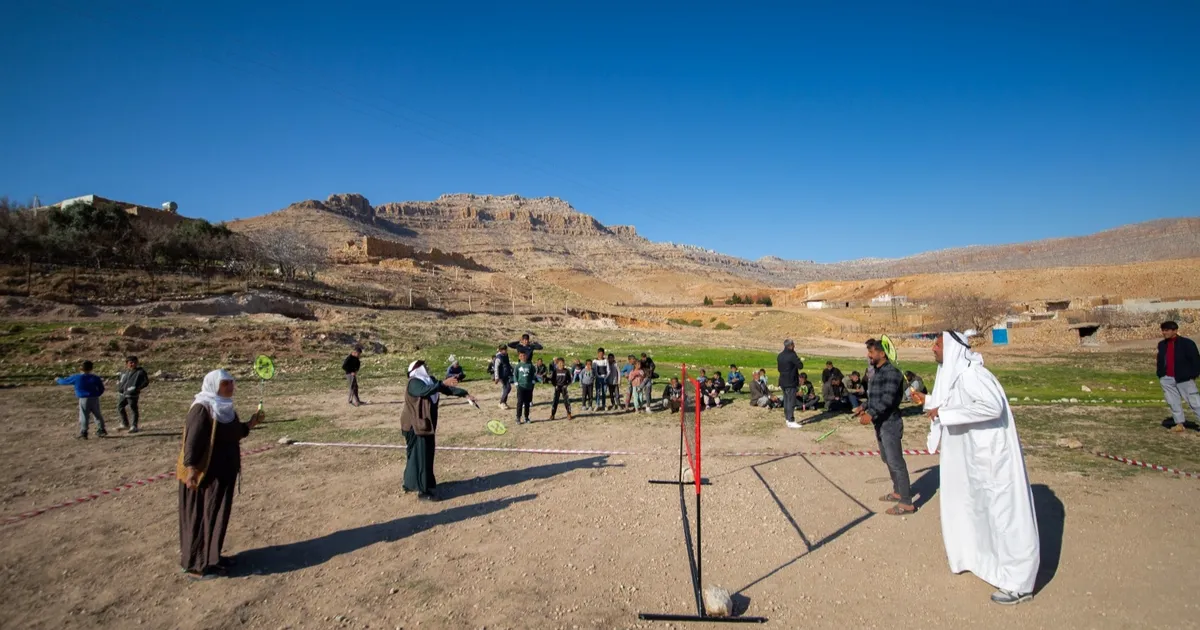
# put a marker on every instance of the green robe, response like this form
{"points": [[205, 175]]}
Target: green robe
{"points": [[418, 470]]}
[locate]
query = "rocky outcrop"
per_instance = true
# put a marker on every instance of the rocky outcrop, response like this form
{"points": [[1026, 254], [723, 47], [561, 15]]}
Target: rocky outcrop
{"points": [[351, 205], [466, 212]]}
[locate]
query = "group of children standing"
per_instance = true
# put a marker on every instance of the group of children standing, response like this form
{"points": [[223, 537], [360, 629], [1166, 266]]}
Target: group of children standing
{"points": [[600, 380]]}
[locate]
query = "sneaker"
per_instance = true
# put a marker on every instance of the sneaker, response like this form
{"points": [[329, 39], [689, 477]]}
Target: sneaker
{"points": [[122, 427], [433, 498], [504, 406], [102, 434], [135, 430], [793, 425], [1010, 598], [81, 436], [528, 421], [1179, 428]]}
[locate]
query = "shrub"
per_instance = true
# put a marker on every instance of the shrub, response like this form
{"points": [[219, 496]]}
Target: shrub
{"points": [[722, 326]]}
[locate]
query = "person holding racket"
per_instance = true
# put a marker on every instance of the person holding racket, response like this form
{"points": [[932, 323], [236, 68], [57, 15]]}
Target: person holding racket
{"points": [[882, 409], [419, 421], [210, 460]]}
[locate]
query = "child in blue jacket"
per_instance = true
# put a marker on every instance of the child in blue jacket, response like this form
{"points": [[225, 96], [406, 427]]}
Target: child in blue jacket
{"points": [[88, 388]]}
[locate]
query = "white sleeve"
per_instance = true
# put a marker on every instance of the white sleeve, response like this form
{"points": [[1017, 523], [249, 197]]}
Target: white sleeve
{"points": [[982, 400]]}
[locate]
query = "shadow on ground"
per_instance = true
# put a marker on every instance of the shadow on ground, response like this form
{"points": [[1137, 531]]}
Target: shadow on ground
{"points": [[466, 487], [310, 553], [1051, 521]]}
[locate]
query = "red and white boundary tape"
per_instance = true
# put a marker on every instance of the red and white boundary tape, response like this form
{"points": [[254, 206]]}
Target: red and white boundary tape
{"points": [[833, 453], [1134, 462], [96, 495], [493, 449]]}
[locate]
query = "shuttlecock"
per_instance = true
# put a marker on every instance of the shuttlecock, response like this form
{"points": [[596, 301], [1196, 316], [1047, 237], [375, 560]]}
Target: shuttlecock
{"points": [[717, 602], [685, 471]]}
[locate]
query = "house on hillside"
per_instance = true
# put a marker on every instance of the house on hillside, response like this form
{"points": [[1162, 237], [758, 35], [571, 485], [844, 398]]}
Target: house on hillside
{"points": [[814, 304], [887, 299], [167, 216]]}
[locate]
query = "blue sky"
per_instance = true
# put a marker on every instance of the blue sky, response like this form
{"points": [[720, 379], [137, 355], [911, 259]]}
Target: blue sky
{"points": [[803, 130]]}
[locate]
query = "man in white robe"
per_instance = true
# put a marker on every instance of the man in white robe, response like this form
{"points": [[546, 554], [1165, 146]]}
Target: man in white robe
{"points": [[988, 521]]}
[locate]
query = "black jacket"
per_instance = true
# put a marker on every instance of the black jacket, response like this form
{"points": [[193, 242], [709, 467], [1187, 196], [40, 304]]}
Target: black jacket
{"points": [[1187, 359], [132, 382], [351, 364], [562, 378], [789, 365], [528, 350]]}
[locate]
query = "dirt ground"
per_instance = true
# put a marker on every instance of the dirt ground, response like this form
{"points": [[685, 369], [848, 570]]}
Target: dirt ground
{"points": [[323, 537]]}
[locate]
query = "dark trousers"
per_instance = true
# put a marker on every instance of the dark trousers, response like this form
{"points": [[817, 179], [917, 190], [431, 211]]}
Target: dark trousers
{"points": [[809, 402], [566, 399], [838, 404], [132, 403], [524, 401], [418, 469], [601, 394], [789, 403], [737, 386], [888, 434], [588, 395], [505, 388], [352, 381], [614, 394]]}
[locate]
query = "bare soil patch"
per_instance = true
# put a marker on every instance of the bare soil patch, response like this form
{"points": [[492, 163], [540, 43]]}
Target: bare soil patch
{"points": [[324, 538]]}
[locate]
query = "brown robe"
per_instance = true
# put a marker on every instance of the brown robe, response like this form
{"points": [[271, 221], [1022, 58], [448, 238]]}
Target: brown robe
{"points": [[204, 512]]}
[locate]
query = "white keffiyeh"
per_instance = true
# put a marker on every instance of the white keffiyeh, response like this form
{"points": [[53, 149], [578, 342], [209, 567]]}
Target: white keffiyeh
{"points": [[956, 358]]}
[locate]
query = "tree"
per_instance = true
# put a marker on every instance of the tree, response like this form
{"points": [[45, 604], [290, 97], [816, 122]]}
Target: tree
{"points": [[708, 301], [83, 231], [961, 310], [765, 300], [291, 252]]}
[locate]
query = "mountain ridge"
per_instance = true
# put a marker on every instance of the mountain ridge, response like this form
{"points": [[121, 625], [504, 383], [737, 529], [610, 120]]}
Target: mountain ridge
{"points": [[515, 233]]}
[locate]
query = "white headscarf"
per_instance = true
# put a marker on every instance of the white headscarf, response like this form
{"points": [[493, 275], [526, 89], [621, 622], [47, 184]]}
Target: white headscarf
{"points": [[422, 374], [957, 358], [220, 407]]}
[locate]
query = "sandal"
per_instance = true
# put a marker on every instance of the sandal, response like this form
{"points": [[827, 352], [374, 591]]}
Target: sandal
{"points": [[900, 510], [891, 497]]}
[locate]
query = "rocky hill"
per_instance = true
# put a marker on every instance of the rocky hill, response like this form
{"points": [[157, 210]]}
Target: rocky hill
{"points": [[521, 235]]}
